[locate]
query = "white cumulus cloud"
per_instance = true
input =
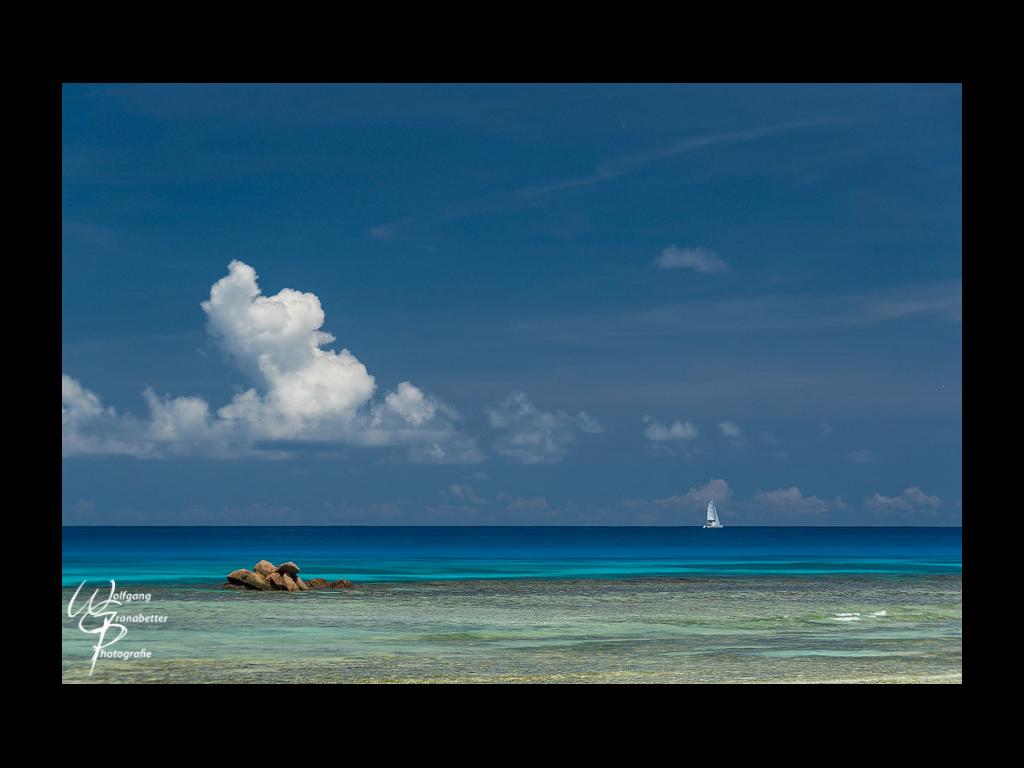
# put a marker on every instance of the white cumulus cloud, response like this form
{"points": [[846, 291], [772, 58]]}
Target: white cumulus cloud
{"points": [[304, 392], [277, 340], [89, 427], [411, 404]]}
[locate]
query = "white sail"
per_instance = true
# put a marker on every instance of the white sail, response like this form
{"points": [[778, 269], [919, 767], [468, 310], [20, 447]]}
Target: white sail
{"points": [[713, 521]]}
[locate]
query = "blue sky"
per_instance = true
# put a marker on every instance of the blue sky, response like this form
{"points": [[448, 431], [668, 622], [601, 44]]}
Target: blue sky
{"points": [[598, 304]]}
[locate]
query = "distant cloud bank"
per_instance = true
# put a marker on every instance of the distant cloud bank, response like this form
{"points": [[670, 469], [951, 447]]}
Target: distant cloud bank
{"points": [[791, 500], [911, 500]]}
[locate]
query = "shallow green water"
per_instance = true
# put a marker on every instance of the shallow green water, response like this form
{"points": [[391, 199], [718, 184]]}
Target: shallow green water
{"points": [[588, 630]]}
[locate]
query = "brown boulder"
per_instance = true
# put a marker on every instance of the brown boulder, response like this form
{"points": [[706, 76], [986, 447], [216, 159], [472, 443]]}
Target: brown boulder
{"points": [[290, 568], [342, 584], [248, 579], [303, 586], [275, 580], [317, 583], [289, 583], [265, 567], [258, 581]]}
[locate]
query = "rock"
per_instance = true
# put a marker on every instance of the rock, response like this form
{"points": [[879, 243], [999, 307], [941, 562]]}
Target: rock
{"points": [[285, 577], [319, 583], [276, 580], [248, 579], [265, 567]]}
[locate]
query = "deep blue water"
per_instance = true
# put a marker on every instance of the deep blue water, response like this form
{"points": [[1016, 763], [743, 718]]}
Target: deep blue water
{"points": [[182, 555]]}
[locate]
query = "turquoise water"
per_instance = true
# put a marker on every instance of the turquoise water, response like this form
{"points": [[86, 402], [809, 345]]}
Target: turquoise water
{"points": [[528, 605], [182, 555]]}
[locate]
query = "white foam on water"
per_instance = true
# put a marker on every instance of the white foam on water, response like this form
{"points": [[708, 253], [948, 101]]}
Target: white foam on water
{"points": [[837, 617], [846, 614], [879, 613]]}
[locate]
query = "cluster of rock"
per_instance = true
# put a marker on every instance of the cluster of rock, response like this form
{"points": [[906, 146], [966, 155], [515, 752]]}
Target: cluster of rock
{"points": [[266, 576]]}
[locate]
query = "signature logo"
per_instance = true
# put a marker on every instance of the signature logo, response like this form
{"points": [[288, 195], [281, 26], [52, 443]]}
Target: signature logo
{"points": [[100, 616]]}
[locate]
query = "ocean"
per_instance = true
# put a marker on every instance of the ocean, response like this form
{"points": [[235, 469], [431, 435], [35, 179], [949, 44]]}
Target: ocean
{"points": [[517, 604]]}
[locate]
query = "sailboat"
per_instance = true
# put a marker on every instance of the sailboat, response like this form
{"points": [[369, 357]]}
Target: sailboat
{"points": [[713, 521]]}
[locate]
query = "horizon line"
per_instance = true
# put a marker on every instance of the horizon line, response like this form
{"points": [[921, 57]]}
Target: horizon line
{"points": [[371, 525]]}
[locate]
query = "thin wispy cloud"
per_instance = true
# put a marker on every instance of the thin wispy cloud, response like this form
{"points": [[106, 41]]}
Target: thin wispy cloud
{"points": [[941, 301], [774, 445], [627, 164], [863, 456], [699, 259], [530, 435], [657, 432], [730, 429], [527, 504], [464, 492], [612, 169], [389, 230], [891, 308], [733, 434]]}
